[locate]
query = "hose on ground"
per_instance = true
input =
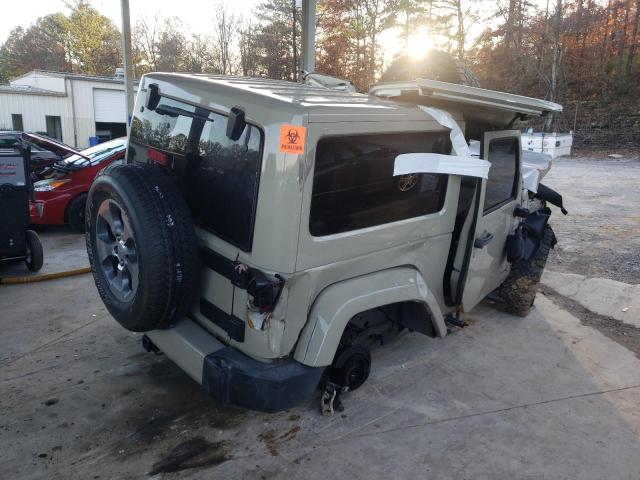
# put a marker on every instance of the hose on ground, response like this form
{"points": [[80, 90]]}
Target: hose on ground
{"points": [[43, 277]]}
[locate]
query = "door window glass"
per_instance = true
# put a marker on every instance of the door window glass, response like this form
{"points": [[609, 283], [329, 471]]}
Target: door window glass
{"points": [[502, 182]]}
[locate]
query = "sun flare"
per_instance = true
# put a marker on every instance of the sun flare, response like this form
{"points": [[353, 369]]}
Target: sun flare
{"points": [[419, 43]]}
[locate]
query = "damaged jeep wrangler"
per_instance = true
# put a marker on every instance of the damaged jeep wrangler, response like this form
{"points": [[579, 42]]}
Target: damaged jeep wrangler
{"points": [[266, 234]]}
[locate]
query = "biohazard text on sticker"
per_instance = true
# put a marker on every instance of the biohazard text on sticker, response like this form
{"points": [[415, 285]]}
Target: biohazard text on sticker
{"points": [[292, 139]]}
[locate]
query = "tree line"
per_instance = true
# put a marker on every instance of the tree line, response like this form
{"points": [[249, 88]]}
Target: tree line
{"points": [[564, 50]]}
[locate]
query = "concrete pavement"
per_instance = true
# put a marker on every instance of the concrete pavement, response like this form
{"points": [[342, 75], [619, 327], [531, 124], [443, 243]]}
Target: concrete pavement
{"points": [[604, 296], [555, 395], [505, 398]]}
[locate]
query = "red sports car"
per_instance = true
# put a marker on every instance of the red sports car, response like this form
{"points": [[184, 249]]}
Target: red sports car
{"points": [[61, 197]]}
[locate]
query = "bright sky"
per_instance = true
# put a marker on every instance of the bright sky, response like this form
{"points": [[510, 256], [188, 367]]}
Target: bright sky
{"points": [[197, 14]]}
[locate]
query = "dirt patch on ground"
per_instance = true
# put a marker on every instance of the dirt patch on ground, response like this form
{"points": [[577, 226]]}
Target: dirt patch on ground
{"points": [[175, 406], [193, 453], [274, 440], [603, 153], [622, 333]]}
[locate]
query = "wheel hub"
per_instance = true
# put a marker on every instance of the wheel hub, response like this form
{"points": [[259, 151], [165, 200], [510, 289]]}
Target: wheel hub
{"points": [[351, 368], [116, 250], [121, 251]]}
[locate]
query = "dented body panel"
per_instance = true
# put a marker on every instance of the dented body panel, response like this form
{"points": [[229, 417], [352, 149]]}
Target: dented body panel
{"points": [[340, 302], [322, 273]]}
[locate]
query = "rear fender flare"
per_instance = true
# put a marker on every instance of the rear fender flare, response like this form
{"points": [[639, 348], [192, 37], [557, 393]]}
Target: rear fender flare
{"points": [[340, 302]]}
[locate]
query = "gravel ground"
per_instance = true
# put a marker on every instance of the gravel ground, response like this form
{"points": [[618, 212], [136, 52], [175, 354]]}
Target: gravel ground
{"points": [[601, 235]]}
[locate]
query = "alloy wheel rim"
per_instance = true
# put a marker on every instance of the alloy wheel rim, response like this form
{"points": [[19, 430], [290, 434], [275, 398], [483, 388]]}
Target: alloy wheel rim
{"points": [[117, 250]]}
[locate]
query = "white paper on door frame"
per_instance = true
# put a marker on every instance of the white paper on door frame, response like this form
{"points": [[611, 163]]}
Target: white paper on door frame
{"points": [[408, 163], [460, 163]]}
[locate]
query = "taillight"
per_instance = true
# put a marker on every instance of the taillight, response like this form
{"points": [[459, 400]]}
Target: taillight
{"points": [[156, 156], [264, 290]]}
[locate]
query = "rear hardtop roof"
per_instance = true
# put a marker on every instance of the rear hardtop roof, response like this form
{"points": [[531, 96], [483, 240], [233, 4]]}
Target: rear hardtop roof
{"points": [[480, 104], [320, 104]]}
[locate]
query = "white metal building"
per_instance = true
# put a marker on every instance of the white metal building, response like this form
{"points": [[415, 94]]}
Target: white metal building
{"points": [[69, 107]]}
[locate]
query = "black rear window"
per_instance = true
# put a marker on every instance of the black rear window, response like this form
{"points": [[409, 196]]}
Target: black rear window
{"points": [[354, 186], [218, 176]]}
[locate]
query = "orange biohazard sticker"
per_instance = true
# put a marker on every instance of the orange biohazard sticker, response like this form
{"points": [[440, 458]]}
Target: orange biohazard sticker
{"points": [[292, 139]]}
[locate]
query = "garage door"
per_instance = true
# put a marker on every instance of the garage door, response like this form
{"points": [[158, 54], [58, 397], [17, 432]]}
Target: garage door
{"points": [[109, 106]]}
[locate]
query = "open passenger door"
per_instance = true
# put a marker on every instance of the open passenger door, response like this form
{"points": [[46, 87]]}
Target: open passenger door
{"points": [[477, 261], [499, 196]]}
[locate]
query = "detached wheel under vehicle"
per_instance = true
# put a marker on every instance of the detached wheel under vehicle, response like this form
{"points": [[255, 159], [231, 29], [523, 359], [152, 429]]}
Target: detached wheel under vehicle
{"points": [[518, 292], [352, 367], [141, 245], [75, 213], [35, 255]]}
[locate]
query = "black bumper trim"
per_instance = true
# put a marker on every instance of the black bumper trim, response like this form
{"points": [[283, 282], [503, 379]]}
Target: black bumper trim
{"points": [[231, 377], [229, 323], [225, 267]]}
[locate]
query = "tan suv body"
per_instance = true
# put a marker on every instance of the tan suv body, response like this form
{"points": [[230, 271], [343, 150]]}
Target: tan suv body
{"points": [[307, 195]]}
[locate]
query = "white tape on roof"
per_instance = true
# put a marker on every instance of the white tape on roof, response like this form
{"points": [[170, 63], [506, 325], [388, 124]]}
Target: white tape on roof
{"points": [[444, 118], [460, 163]]}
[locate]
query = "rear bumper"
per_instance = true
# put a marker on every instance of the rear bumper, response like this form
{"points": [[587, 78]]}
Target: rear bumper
{"points": [[233, 378]]}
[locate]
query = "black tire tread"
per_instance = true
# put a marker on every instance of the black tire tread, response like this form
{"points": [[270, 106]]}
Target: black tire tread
{"points": [[182, 238], [37, 252], [160, 292], [167, 295], [73, 208], [518, 291]]}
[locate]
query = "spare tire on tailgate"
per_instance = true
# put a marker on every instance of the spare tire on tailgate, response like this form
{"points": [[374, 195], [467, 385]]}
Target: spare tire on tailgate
{"points": [[142, 246]]}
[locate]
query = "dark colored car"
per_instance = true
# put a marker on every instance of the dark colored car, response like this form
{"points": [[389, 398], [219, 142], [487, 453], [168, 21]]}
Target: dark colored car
{"points": [[61, 197], [41, 156], [17, 242]]}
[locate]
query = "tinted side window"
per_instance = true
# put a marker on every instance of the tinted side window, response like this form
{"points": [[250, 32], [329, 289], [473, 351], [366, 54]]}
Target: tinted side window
{"points": [[354, 186], [218, 176], [502, 182], [223, 189]]}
